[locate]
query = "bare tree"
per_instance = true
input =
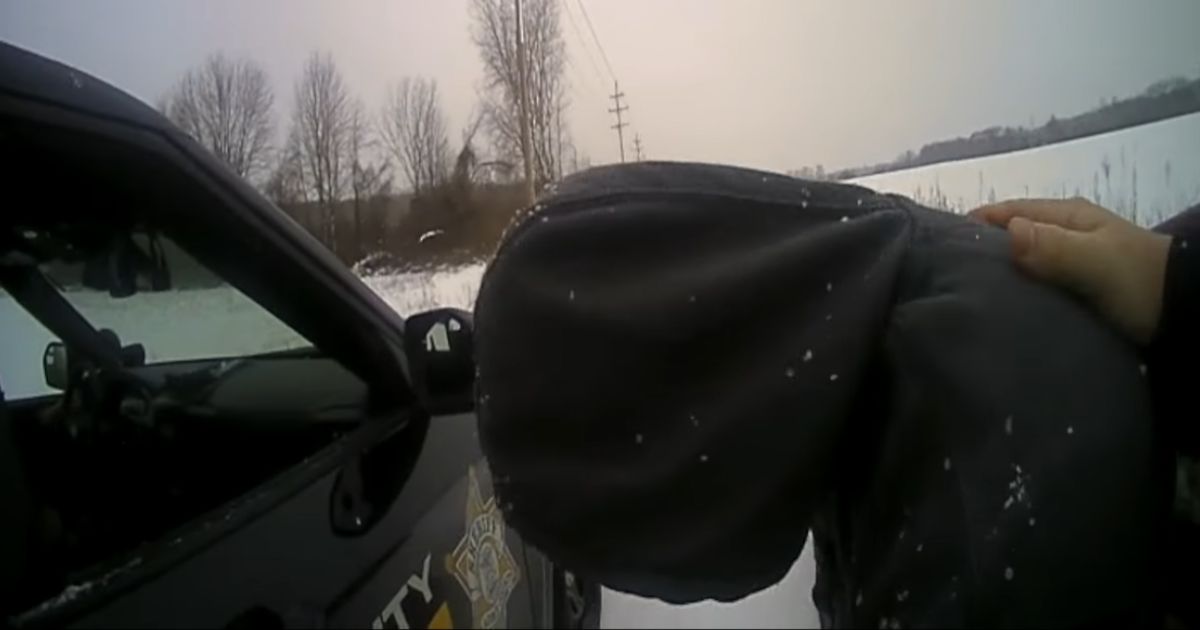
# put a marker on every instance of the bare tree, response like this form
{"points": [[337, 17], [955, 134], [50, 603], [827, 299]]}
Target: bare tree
{"points": [[494, 33], [323, 125], [286, 185], [467, 161], [415, 131], [369, 180], [225, 105]]}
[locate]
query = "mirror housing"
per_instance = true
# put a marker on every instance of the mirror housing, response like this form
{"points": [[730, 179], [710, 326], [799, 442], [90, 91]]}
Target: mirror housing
{"points": [[60, 365], [56, 365], [440, 346]]}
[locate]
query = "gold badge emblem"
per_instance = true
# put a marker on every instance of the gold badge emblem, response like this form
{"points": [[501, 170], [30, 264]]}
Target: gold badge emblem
{"points": [[481, 562]]}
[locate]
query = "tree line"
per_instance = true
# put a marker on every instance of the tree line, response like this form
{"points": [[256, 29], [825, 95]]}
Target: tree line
{"points": [[1167, 98], [336, 151]]}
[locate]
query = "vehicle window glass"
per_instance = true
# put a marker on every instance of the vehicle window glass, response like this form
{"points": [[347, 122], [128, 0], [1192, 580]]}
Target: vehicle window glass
{"points": [[198, 317], [112, 465], [21, 360]]}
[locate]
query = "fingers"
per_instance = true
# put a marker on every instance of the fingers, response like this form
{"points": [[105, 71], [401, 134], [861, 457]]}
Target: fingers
{"points": [[1112, 263], [1059, 255], [1075, 214]]}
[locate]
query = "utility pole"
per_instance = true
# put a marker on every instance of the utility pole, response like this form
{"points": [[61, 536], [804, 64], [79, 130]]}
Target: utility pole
{"points": [[637, 145], [616, 96], [523, 105]]}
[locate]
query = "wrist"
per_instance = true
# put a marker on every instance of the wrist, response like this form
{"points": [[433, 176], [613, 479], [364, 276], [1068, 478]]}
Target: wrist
{"points": [[1154, 256]]}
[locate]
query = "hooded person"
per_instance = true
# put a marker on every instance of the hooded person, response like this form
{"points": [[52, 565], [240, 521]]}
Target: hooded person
{"points": [[684, 369]]}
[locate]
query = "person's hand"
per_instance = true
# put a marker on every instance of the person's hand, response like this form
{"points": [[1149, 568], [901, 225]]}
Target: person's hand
{"points": [[1115, 265]]}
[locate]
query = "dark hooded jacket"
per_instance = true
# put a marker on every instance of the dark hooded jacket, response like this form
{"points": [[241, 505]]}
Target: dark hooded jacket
{"points": [[685, 369]]}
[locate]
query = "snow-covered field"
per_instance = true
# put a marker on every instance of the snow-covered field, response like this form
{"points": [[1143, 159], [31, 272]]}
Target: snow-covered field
{"points": [[411, 293], [1148, 173]]}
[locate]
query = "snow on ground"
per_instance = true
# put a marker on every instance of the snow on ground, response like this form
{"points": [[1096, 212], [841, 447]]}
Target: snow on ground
{"points": [[414, 292], [1146, 173], [787, 604]]}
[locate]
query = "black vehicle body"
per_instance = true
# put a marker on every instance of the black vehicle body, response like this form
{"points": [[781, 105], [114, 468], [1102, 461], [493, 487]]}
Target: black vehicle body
{"points": [[339, 485]]}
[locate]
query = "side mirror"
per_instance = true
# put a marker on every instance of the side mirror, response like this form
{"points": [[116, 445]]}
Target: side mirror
{"points": [[56, 365], [440, 346]]}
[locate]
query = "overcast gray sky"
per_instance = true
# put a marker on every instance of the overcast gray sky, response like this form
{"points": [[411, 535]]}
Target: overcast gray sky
{"points": [[775, 84]]}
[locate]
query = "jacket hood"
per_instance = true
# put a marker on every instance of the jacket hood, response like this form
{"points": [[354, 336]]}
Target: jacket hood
{"points": [[648, 326], [684, 367]]}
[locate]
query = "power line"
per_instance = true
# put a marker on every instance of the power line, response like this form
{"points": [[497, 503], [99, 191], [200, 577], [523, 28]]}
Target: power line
{"points": [[637, 145], [617, 95], [591, 92], [599, 46], [582, 86], [584, 90], [583, 42]]}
